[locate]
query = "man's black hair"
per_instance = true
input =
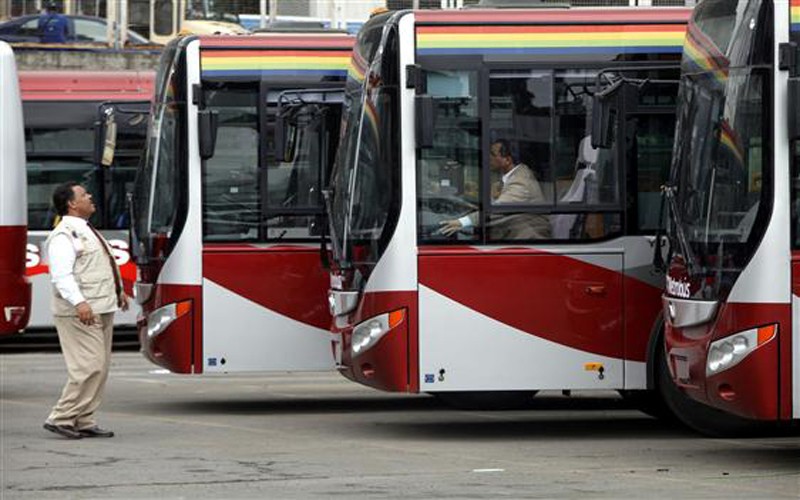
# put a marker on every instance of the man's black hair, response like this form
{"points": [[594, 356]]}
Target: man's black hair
{"points": [[62, 195], [505, 149]]}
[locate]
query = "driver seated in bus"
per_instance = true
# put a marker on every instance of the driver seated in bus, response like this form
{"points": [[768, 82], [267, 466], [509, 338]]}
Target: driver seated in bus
{"points": [[518, 185]]}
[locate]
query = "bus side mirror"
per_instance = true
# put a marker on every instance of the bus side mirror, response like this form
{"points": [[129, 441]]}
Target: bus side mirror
{"points": [[794, 109], [285, 139], [424, 120], [603, 112], [207, 129], [109, 138]]}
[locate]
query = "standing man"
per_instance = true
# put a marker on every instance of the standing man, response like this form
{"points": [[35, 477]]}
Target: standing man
{"points": [[517, 185], [87, 290], [53, 26]]}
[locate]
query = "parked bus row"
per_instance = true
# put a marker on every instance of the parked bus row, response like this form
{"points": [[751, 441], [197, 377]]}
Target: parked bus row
{"points": [[482, 194], [227, 219]]}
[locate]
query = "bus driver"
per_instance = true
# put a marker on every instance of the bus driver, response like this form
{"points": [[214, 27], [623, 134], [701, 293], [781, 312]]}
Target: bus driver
{"points": [[518, 186]]}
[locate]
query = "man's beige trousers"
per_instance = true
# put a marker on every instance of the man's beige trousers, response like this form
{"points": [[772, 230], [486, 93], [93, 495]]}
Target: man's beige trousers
{"points": [[87, 352]]}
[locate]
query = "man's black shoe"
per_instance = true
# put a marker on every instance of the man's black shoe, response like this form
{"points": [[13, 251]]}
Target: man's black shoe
{"points": [[96, 432], [67, 431]]}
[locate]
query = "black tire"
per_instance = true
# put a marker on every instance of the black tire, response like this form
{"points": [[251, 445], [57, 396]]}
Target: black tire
{"points": [[487, 400], [697, 416]]}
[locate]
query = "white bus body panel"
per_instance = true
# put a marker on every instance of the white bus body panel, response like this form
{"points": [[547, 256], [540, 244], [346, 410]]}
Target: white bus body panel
{"points": [[443, 344], [511, 360], [250, 337], [480, 353], [13, 202]]}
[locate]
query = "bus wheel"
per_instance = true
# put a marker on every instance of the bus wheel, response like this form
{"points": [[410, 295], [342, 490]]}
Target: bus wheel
{"points": [[697, 416], [487, 400]]}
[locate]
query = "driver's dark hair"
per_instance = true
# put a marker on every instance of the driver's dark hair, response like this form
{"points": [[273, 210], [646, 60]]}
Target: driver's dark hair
{"points": [[504, 148], [62, 195]]}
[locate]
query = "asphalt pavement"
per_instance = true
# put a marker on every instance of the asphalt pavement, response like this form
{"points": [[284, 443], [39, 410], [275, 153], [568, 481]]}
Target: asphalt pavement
{"points": [[317, 435]]}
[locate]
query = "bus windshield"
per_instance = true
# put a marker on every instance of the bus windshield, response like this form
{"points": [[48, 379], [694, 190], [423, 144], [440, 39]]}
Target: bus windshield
{"points": [[719, 173], [362, 181], [156, 196]]}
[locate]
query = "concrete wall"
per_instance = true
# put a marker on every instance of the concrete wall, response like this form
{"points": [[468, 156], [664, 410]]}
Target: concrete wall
{"points": [[100, 60]]}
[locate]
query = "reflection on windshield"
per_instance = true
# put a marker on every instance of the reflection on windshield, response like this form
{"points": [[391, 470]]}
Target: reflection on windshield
{"points": [[721, 186], [154, 197]]}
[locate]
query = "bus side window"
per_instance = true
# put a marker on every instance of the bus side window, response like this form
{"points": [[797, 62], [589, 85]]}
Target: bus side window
{"points": [[449, 172], [231, 199], [518, 169]]}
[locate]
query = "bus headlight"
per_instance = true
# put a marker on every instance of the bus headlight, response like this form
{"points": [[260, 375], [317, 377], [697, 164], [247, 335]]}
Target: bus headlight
{"points": [[730, 351], [161, 318], [367, 333]]}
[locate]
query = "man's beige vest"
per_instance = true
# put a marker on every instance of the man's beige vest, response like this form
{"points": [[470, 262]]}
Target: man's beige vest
{"points": [[92, 271]]}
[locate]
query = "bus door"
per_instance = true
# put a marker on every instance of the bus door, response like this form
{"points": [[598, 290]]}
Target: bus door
{"points": [[536, 280], [640, 126], [264, 288]]}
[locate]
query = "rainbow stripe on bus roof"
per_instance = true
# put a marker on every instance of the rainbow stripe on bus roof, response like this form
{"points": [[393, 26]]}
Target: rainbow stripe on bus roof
{"points": [[253, 62], [794, 15], [555, 39]]}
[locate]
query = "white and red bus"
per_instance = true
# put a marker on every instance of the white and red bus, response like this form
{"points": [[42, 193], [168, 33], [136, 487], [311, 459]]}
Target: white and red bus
{"points": [[226, 238], [492, 316], [732, 298], [65, 113], [15, 290]]}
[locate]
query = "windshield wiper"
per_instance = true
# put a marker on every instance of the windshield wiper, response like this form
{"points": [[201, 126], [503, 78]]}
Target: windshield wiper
{"points": [[669, 192], [335, 244]]}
